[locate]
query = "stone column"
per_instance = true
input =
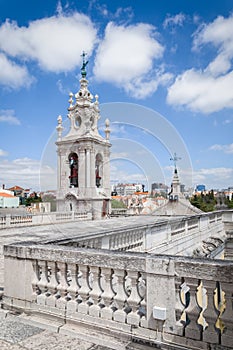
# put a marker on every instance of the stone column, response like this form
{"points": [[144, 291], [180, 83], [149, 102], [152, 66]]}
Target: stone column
{"points": [[92, 169], [58, 169], [88, 168], [82, 170], [106, 171]]}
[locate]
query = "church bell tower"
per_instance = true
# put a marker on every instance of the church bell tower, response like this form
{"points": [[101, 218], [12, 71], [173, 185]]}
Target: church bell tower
{"points": [[83, 168]]}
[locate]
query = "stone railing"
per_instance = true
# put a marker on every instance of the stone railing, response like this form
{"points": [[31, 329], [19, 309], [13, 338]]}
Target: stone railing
{"points": [[171, 236], [145, 298], [10, 220]]}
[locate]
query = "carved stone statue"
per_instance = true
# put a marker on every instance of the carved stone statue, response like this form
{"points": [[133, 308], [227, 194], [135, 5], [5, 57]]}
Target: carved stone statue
{"points": [[73, 171], [83, 69]]}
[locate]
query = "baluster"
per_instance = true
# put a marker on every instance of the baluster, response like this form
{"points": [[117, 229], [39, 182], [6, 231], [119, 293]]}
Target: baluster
{"points": [[179, 308], [227, 316], [52, 285], [110, 243], [193, 330], [42, 284], [35, 280], [210, 334], [120, 297], [143, 304], [108, 294], [117, 242], [72, 290], [133, 301], [96, 291], [83, 292], [62, 286]]}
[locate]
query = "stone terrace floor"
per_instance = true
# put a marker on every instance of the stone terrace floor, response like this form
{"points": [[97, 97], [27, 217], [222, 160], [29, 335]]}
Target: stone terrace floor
{"points": [[20, 333]]}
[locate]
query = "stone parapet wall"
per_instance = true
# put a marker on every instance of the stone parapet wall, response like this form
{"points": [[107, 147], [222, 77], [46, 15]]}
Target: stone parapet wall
{"points": [[10, 220], [158, 299], [174, 235]]}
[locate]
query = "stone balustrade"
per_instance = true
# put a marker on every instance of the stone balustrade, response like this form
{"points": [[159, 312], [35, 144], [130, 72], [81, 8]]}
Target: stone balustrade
{"points": [[145, 297], [163, 236], [10, 220]]}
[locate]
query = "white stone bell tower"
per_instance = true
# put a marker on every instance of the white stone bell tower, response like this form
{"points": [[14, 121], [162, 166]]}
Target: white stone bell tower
{"points": [[83, 167]]}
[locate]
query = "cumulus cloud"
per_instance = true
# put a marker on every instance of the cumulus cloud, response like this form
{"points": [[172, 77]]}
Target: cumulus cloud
{"points": [[224, 148], [201, 92], [8, 116], [12, 75], [208, 89], [126, 57], [55, 43]]}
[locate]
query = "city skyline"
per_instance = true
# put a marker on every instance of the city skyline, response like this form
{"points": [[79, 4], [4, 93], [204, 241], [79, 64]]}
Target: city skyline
{"points": [[163, 73]]}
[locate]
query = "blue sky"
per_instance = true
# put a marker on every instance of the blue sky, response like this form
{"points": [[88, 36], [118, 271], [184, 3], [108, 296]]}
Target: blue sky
{"points": [[171, 60]]}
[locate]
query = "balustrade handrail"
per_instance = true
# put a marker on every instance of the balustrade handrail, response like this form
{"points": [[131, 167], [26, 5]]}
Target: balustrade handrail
{"points": [[69, 254]]}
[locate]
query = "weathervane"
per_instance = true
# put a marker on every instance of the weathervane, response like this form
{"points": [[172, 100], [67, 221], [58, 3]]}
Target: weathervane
{"points": [[175, 159], [83, 69]]}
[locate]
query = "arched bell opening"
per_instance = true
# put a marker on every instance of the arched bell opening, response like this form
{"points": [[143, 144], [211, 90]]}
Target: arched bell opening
{"points": [[73, 163], [98, 170], [70, 202]]}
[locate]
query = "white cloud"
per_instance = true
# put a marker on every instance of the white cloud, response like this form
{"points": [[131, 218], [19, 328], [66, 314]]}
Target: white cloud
{"points": [[8, 116], [199, 91], [118, 175], [24, 172], [126, 58], [219, 33], [176, 20], [227, 121], [63, 90], [225, 148], [209, 89], [12, 75], [3, 153], [214, 177], [55, 42]]}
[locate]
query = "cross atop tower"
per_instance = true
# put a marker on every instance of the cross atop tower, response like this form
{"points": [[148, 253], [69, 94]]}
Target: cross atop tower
{"points": [[83, 69], [175, 159]]}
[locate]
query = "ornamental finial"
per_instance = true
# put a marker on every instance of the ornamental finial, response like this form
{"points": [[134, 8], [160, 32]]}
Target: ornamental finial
{"points": [[107, 129], [83, 69], [59, 127]]}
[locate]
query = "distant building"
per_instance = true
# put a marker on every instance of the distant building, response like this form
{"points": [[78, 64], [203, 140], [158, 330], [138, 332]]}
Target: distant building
{"points": [[176, 204], [7, 199], [200, 188], [19, 191], [157, 187], [128, 189]]}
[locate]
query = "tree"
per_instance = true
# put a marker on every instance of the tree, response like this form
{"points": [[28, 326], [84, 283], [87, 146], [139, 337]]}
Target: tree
{"points": [[33, 199], [205, 202], [117, 204], [51, 198], [229, 202]]}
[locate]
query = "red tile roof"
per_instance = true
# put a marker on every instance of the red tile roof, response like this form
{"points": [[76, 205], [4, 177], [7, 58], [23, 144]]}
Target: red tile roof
{"points": [[15, 188], [3, 194]]}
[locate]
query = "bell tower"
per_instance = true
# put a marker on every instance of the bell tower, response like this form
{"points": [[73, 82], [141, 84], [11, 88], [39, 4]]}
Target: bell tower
{"points": [[83, 169]]}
